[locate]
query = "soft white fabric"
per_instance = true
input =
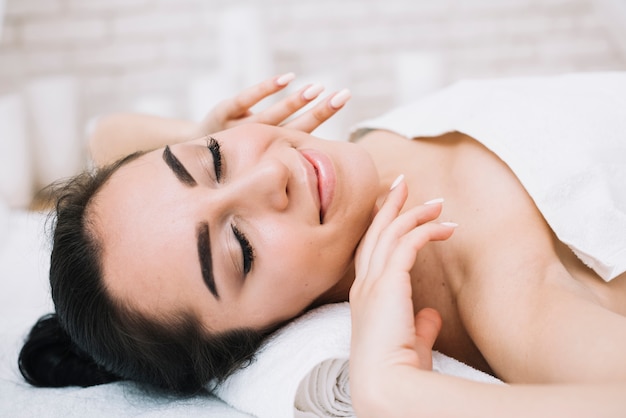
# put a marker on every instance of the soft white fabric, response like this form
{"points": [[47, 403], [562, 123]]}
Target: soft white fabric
{"points": [[564, 137], [302, 370], [267, 388], [24, 297]]}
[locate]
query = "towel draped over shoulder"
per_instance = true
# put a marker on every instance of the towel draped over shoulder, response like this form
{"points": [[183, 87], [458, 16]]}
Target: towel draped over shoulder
{"points": [[564, 137]]}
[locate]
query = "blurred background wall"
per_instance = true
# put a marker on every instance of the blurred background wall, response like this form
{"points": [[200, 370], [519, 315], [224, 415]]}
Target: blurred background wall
{"points": [[65, 62]]}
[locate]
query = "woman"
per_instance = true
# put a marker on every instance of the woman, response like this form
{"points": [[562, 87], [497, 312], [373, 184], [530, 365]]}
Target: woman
{"points": [[197, 250]]}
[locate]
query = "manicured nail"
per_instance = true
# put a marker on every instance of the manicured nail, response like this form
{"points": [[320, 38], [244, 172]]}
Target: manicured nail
{"points": [[312, 91], [340, 99], [450, 224], [396, 182], [285, 79], [434, 201]]}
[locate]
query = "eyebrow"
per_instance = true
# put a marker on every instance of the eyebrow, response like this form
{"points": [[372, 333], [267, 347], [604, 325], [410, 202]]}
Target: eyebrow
{"points": [[204, 255], [178, 168], [202, 231]]}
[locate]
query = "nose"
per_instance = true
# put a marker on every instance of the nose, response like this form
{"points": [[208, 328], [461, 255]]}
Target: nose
{"points": [[263, 186]]}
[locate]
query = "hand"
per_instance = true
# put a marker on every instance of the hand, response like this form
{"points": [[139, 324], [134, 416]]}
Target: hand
{"points": [[385, 332], [236, 110]]}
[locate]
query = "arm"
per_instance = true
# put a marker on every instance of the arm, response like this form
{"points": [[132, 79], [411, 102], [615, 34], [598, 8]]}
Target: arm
{"points": [[407, 392], [118, 135], [121, 134], [528, 315], [551, 330], [391, 349]]}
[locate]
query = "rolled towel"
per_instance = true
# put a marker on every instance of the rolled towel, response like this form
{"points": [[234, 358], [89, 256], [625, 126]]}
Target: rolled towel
{"points": [[302, 370]]}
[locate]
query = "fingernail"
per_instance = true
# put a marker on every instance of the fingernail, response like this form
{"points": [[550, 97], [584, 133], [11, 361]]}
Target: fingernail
{"points": [[434, 201], [285, 79], [396, 182], [312, 91], [340, 99], [450, 224]]}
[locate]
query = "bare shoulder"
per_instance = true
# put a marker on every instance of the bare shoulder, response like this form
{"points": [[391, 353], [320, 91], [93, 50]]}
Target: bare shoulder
{"points": [[545, 327], [532, 310]]}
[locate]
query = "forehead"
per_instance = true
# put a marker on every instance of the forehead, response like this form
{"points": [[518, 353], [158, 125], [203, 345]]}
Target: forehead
{"points": [[147, 238]]}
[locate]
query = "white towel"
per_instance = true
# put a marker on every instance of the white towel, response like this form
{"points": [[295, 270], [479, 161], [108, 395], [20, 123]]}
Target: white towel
{"points": [[302, 371], [564, 137]]}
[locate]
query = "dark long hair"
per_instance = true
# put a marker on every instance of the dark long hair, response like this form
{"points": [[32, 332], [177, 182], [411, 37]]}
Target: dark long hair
{"points": [[93, 338]]}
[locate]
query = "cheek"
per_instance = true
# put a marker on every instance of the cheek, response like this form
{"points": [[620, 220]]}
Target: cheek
{"points": [[292, 256], [303, 258], [290, 247]]}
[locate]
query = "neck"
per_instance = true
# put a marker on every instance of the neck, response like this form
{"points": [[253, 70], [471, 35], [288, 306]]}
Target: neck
{"points": [[340, 292]]}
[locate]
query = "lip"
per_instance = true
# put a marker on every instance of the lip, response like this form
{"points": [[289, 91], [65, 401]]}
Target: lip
{"points": [[325, 176]]}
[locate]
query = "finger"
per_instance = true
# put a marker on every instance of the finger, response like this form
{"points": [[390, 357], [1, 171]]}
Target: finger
{"points": [[396, 252], [408, 221], [277, 113], [386, 214], [395, 261], [239, 105], [402, 256], [389, 235], [427, 327], [393, 256], [321, 112]]}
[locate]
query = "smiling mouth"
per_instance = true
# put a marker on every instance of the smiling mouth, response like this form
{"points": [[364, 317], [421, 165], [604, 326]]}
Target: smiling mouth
{"points": [[325, 176], [312, 175], [319, 193]]}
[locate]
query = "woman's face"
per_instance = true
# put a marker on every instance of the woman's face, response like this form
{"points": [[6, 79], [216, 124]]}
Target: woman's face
{"points": [[244, 230]]}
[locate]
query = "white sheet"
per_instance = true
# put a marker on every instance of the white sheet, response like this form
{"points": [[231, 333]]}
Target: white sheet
{"points": [[24, 297]]}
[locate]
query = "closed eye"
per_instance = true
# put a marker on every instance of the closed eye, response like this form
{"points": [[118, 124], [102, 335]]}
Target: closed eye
{"points": [[246, 250], [216, 152]]}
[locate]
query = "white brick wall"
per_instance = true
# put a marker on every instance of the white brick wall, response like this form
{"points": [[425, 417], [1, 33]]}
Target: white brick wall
{"points": [[100, 7], [126, 39], [123, 51], [32, 8], [62, 31], [156, 25]]}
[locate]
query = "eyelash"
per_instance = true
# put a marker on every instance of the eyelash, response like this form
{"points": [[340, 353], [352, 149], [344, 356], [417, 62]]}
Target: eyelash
{"points": [[246, 250], [216, 152]]}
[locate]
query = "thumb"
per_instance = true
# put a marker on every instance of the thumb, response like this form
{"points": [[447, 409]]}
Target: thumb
{"points": [[427, 326]]}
